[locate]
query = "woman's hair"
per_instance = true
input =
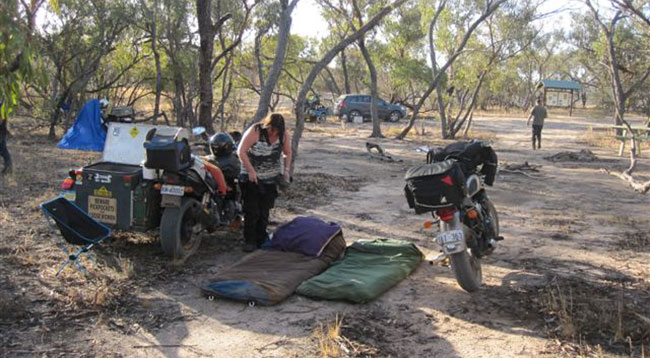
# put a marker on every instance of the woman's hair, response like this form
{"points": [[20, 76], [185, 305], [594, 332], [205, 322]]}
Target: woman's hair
{"points": [[273, 120]]}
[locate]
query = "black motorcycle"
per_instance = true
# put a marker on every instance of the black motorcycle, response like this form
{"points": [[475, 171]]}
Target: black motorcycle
{"points": [[190, 198], [451, 187]]}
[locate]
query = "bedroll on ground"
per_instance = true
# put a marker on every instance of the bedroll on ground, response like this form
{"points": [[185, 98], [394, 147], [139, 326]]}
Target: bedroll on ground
{"points": [[368, 269]]}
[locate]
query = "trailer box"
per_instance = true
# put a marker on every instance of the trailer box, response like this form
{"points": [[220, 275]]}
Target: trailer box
{"points": [[106, 192], [114, 190]]}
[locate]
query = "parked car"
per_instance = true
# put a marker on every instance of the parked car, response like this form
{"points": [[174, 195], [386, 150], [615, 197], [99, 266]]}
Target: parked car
{"points": [[349, 106]]}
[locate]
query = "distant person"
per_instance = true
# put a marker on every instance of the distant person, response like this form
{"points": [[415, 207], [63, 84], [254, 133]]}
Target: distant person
{"points": [[538, 114], [583, 97], [261, 151], [4, 151]]}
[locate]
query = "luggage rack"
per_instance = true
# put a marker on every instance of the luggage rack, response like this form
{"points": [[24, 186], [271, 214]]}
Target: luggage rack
{"points": [[76, 227]]}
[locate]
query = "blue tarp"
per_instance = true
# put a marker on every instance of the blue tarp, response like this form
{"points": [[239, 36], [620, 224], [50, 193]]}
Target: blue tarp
{"points": [[87, 133]]}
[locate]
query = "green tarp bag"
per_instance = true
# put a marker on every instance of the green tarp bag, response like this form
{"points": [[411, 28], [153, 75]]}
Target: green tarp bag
{"points": [[368, 269]]}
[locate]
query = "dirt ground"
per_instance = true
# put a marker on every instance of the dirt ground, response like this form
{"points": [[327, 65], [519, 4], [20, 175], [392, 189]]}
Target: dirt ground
{"points": [[571, 278]]}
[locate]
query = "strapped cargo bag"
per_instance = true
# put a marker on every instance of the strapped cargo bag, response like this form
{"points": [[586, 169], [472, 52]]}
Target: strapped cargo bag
{"points": [[435, 186], [167, 152]]}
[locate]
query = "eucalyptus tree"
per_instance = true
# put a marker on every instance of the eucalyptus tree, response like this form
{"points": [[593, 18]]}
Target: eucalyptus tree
{"points": [[17, 54], [506, 34], [405, 60], [209, 28], [625, 56], [282, 39], [463, 34], [348, 17], [178, 43], [74, 60], [324, 61]]}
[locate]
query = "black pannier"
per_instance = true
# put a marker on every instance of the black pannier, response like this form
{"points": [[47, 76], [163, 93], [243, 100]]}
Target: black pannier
{"points": [[166, 152], [470, 155], [435, 186]]}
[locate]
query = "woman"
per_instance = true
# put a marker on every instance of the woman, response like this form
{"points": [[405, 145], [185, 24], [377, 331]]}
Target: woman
{"points": [[260, 151]]}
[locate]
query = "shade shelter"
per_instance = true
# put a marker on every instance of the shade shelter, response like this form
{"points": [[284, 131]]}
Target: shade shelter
{"points": [[559, 93]]}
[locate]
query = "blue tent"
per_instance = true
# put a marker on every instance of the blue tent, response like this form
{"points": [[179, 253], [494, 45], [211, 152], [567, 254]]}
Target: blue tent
{"points": [[87, 133]]}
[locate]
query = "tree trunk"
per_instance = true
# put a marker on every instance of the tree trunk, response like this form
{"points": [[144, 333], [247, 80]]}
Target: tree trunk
{"points": [[278, 62], [334, 87], [206, 50], [344, 66], [376, 124], [442, 110], [492, 6], [327, 58], [457, 125], [156, 56]]}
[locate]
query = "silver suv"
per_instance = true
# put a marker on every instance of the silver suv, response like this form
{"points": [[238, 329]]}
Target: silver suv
{"points": [[349, 106]]}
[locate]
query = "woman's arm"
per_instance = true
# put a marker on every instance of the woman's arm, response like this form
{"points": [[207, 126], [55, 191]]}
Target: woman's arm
{"points": [[251, 136], [286, 150]]}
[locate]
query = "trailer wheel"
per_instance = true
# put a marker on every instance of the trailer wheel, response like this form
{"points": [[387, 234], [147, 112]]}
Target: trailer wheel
{"points": [[179, 236]]}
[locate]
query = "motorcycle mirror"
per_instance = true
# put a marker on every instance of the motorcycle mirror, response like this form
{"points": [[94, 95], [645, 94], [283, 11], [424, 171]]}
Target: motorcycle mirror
{"points": [[197, 131]]}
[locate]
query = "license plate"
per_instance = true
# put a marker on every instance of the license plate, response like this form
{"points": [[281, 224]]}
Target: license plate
{"points": [[103, 209], [172, 190], [170, 201], [450, 237]]}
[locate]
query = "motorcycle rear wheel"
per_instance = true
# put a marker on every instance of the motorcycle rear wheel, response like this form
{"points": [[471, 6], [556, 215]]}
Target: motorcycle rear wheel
{"points": [[177, 225], [467, 269]]}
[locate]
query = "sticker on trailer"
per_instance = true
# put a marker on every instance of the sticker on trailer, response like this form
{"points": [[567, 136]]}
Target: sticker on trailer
{"points": [[103, 192], [134, 132], [103, 209], [102, 178]]}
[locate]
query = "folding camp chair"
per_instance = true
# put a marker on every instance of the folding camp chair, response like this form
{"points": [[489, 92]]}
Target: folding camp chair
{"points": [[77, 228]]}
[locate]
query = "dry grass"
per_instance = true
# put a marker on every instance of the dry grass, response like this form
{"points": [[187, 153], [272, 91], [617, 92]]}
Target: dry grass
{"points": [[328, 337], [333, 344], [481, 135], [417, 132], [638, 241], [582, 316], [600, 138]]}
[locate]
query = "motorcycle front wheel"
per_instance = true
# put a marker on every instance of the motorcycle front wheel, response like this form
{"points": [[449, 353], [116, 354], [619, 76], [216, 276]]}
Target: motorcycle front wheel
{"points": [[178, 226]]}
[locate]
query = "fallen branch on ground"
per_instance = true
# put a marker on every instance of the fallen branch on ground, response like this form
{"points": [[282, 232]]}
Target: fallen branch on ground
{"points": [[641, 187], [379, 153], [524, 166], [522, 169]]}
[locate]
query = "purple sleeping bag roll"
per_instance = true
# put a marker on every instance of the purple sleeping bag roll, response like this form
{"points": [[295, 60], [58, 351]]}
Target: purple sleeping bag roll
{"points": [[304, 234]]}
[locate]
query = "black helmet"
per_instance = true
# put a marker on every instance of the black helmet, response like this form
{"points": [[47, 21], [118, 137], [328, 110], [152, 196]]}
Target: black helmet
{"points": [[221, 144]]}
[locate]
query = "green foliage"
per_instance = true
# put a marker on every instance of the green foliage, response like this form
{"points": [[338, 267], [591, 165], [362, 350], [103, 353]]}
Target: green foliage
{"points": [[16, 57]]}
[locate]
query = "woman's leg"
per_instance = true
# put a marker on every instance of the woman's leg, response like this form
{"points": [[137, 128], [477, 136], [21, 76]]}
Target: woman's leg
{"points": [[4, 152], [267, 202], [251, 208]]}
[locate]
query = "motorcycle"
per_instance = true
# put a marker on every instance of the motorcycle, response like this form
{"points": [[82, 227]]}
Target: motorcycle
{"points": [[191, 201], [452, 187]]}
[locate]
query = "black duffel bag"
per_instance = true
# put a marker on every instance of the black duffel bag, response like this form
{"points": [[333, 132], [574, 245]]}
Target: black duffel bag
{"points": [[470, 155], [435, 186], [167, 152]]}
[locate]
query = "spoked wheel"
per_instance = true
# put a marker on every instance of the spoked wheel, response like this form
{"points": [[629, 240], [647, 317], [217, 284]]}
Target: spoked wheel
{"points": [[467, 269], [322, 118], [180, 229]]}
